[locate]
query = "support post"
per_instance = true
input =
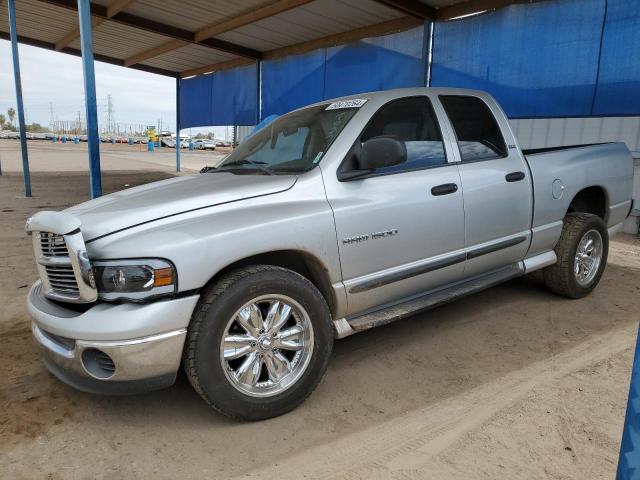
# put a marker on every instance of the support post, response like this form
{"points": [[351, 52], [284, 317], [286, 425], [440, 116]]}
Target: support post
{"points": [[86, 42], [16, 76], [629, 459], [259, 92], [178, 123]]}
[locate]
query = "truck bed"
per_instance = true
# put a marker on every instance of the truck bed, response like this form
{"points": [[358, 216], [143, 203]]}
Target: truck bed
{"points": [[535, 151], [572, 168]]}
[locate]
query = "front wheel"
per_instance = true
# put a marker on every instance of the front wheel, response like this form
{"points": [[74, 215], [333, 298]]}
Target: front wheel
{"points": [[259, 342], [582, 255]]}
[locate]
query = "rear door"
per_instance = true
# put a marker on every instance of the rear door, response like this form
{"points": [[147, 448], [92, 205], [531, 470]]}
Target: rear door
{"points": [[496, 184]]}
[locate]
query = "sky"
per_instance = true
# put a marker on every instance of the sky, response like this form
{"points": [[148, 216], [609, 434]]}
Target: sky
{"points": [[138, 98]]}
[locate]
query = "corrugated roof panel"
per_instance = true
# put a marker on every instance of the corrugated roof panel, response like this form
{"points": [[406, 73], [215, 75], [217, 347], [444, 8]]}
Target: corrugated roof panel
{"points": [[188, 57], [40, 21], [120, 41], [315, 20], [192, 14]]}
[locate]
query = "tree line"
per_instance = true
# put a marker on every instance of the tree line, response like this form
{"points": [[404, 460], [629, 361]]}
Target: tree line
{"points": [[10, 125]]}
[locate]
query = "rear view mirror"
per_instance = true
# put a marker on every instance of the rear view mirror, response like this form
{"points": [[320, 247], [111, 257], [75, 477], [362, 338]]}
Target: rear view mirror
{"points": [[291, 130], [380, 152]]}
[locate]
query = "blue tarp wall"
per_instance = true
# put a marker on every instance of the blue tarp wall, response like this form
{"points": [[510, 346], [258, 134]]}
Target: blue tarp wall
{"points": [[538, 61], [558, 58], [618, 88], [380, 63], [228, 97]]}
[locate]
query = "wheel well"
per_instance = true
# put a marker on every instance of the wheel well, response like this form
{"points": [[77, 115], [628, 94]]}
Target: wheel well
{"points": [[590, 200], [295, 260]]}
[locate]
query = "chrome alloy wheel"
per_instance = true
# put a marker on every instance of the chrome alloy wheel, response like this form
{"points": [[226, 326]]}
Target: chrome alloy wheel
{"points": [[267, 345], [588, 257]]}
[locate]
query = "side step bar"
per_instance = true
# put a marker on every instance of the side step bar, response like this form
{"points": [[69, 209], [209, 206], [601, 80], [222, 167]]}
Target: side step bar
{"points": [[388, 314]]}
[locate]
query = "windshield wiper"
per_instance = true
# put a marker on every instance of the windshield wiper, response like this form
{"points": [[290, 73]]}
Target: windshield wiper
{"points": [[245, 161]]}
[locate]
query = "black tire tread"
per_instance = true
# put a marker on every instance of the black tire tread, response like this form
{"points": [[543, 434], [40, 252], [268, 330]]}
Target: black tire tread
{"points": [[557, 277], [209, 296]]}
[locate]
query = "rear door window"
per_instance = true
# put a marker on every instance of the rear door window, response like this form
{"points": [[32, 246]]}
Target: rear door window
{"points": [[412, 121], [478, 133]]}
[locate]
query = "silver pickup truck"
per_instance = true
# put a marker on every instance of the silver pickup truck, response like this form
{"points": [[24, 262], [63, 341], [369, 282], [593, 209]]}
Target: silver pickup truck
{"points": [[335, 218]]}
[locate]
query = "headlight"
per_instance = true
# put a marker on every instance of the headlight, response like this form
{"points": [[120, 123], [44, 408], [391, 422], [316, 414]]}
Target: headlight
{"points": [[134, 280]]}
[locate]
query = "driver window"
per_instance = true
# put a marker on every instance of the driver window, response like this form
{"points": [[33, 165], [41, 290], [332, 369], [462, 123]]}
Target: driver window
{"points": [[412, 121]]}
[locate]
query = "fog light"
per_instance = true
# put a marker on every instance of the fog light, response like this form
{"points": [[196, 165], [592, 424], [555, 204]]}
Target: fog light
{"points": [[98, 364]]}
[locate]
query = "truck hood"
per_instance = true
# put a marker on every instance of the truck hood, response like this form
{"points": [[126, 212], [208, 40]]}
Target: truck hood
{"points": [[134, 206]]}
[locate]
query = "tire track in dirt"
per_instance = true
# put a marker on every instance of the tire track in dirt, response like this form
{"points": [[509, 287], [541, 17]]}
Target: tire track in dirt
{"points": [[401, 448]]}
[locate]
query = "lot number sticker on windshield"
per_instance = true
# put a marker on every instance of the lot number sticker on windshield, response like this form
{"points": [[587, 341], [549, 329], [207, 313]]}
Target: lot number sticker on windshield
{"points": [[354, 103]]}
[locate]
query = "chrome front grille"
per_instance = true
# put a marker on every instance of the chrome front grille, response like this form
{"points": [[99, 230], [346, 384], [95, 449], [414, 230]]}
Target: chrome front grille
{"points": [[53, 245], [62, 279], [63, 266]]}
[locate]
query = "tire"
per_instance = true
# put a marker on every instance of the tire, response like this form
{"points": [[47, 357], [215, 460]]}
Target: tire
{"points": [[562, 278], [227, 310]]}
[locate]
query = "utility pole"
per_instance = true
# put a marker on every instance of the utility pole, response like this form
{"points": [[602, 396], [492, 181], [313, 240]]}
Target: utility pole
{"points": [[52, 117], [109, 112]]}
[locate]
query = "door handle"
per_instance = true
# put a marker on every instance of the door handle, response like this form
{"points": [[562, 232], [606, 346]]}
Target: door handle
{"points": [[444, 189], [514, 176]]}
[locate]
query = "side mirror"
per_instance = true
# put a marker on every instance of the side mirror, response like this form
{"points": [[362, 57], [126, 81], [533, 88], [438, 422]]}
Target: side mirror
{"points": [[379, 152]]}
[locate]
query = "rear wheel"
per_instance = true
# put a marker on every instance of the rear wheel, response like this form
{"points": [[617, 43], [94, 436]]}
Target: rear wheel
{"points": [[259, 343], [582, 255]]}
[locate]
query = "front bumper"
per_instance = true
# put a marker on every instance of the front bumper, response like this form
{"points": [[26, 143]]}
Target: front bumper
{"points": [[87, 350]]}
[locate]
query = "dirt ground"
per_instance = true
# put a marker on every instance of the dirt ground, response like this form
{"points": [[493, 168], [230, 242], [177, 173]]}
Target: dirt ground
{"points": [[510, 383], [57, 157]]}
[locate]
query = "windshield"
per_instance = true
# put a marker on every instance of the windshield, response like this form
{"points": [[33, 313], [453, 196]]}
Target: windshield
{"points": [[293, 143]]}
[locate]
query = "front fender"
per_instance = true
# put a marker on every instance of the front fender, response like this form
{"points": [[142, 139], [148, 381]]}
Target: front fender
{"points": [[203, 242]]}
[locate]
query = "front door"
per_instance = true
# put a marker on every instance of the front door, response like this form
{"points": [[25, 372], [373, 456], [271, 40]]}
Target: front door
{"points": [[400, 230]]}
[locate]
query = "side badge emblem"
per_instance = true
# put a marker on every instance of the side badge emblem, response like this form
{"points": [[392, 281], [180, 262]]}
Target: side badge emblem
{"points": [[373, 236]]}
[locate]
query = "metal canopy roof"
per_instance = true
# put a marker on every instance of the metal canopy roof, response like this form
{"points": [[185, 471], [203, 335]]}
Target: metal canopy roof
{"points": [[190, 37]]}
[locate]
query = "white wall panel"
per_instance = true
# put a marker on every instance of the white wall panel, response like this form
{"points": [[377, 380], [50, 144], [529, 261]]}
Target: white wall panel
{"points": [[550, 132]]}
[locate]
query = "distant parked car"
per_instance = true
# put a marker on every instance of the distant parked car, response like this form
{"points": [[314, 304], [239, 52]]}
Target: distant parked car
{"points": [[204, 144], [222, 143], [171, 142]]}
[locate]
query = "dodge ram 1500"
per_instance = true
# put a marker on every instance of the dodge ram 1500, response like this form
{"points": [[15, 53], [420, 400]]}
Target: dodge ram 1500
{"points": [[332, 219]]}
